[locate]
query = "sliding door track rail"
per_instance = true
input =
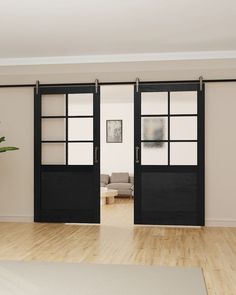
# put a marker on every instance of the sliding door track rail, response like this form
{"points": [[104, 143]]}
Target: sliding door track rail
{"points": [[118, 83]]}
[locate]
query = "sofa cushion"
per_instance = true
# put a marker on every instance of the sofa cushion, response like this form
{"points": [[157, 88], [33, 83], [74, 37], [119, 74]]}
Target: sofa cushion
{"points": [[119, 186], [120, 177], [104, 178]]}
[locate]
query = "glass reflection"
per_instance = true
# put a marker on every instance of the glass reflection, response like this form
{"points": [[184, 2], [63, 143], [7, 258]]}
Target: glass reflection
{"points": [[154, 129]]}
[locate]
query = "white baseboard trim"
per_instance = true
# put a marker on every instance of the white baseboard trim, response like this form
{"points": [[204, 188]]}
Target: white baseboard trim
{"points": [[221, 222], [16, 218]]}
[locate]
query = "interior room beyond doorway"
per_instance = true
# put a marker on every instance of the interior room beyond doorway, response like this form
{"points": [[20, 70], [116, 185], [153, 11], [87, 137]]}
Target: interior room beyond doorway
{"points": [[117, 154]]}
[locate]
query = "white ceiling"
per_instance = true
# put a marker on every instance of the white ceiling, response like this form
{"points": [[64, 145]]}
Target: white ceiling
{"points": [[128, 30]]}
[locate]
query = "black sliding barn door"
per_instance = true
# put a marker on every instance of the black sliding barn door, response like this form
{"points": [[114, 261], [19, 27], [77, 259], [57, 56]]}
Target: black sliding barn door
{"points": [[67, 145], [169, 154]]}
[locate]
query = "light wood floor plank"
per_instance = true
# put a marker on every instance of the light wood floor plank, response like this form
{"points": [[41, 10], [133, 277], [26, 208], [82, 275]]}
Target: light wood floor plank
{"points": [[117, 241]]}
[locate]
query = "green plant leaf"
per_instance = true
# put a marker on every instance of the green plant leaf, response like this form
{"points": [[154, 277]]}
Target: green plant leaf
{"points": [[8, 148], [2, 138]]}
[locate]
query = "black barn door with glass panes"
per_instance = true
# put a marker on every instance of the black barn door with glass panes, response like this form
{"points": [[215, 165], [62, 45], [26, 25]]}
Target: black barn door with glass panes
{"points": [[67, 140], [169, 154]]}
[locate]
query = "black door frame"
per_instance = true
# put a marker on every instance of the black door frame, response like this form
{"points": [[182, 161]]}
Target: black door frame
{"points": [[41, 215], [199, 169], [37, 139]]}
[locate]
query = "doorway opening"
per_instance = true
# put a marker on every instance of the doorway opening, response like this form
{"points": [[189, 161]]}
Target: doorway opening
{"points": [[117, 154]]}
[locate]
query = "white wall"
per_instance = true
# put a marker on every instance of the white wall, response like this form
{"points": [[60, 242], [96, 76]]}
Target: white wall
{"points": [[220, 154], [117, 104], [16, 113], [16, 168]]}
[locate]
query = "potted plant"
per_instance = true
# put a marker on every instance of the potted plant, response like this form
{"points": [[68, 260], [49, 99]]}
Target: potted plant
{"points": [[6, 148]]}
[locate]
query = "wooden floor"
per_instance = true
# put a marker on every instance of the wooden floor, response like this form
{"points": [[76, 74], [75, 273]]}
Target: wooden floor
{"points": [[117, 241]]}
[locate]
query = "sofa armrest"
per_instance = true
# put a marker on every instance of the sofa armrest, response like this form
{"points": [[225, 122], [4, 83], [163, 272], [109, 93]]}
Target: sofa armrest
{"points": [[104, 178], [131, 180]]}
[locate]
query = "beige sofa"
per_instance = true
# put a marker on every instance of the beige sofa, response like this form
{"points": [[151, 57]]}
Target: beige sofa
{"points": [[120, 181]]}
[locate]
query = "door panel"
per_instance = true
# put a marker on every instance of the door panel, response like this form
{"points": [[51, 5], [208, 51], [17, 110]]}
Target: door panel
{"points": [[67, 159], [60, 190], [169, 158], [166, 197]]}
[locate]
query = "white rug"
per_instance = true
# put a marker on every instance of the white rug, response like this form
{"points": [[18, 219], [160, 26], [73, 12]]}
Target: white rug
{"points": [[34, 278]]}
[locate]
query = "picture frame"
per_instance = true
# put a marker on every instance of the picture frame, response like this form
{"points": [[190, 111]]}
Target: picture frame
{"points": [[114, 131]]}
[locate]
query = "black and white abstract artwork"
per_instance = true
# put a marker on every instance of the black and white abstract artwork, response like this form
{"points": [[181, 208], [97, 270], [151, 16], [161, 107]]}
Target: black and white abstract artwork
{"points": [[114, 131]]}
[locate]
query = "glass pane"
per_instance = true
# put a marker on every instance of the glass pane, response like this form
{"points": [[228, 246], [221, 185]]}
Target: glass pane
{"points": [[53, 154], [80, 104], [183, 128], [183, 153], [53, 129], [80, 129], [80, 153], [183, 102], [154, 153], [53, 105], [154, 128], [154, 103]]}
